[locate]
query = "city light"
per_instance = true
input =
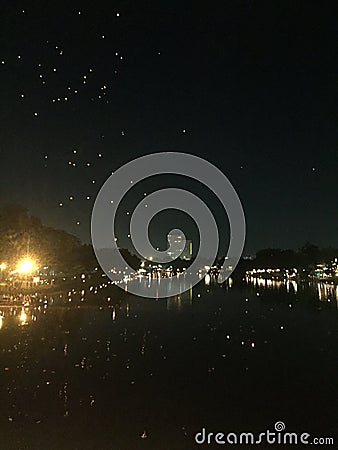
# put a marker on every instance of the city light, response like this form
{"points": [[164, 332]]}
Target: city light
{"points": [[27, 265], [3, 266]]}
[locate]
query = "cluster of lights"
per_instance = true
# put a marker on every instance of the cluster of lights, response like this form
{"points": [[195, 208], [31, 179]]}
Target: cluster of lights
{"points": [[288, 272], [324, 271]]}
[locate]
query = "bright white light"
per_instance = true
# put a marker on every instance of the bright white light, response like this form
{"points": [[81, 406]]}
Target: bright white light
{"points": [[23, 317], [25, 266]]}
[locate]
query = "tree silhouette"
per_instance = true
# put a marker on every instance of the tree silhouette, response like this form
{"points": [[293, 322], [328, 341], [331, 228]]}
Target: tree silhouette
{"points": [[24, 235]]}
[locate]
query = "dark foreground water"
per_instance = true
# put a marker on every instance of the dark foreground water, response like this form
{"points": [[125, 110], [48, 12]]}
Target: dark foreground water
{"points": [[127, 373]]}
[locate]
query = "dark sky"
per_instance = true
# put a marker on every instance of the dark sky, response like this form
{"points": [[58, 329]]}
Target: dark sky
{"points": [[250, 86]]}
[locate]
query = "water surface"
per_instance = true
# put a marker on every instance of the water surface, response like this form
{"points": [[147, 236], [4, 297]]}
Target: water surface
{"points": [[114, 371]]}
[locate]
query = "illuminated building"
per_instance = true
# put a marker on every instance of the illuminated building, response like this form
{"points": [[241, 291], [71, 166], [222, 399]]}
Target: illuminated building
{"points": [[187, 252], [176, 242]]}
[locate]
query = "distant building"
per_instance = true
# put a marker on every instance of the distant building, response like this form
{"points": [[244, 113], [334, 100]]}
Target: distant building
{"points": [[176, 243], [187, 252]]}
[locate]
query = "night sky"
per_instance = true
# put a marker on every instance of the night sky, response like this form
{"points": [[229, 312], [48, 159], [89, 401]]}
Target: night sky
{"points": [[250, 86]]}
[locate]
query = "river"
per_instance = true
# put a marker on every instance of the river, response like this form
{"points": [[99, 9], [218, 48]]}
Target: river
{"points": [[106, 370]]}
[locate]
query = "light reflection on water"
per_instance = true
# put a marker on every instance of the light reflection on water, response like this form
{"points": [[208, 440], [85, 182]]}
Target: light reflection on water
{"points": [[25, 309], [112, 368], [325, 291]]}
